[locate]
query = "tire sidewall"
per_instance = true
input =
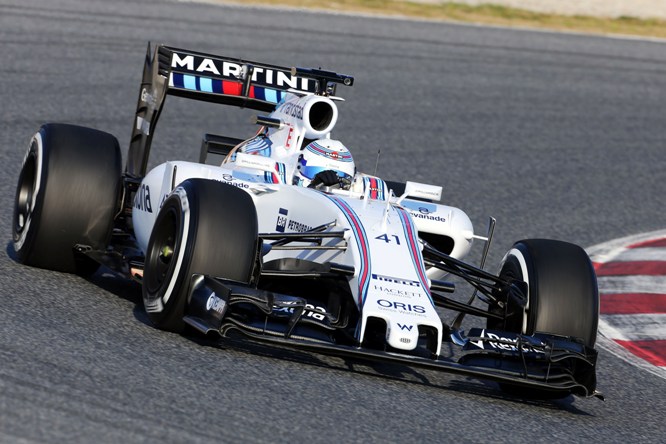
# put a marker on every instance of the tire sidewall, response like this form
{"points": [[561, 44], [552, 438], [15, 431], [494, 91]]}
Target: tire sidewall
{"points": [[23, 238], [530, 276], [159, 302], [516, 265]]}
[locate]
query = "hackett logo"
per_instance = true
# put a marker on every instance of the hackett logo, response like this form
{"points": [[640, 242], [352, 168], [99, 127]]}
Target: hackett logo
{"points": [[223, 68]]}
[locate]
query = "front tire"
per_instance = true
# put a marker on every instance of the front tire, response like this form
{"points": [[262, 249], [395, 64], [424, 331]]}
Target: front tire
{"points": [[562, 297], [204, 227], [67, 194]]}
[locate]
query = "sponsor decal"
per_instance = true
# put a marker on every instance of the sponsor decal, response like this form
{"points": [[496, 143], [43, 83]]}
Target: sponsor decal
{"points": [[290, 138], [407, 282], [422, 210], [311, 311], [421, 207], [148, 99], [229, 180], [431, 193], [299, 227], [427, 216], [225, 68], [329, 154], [281, 220], [283, 223], [216, 304], [492, 345], [142, 199], [256, 162], [398, 293], [401, 307], [405, 327], [291, 109]]}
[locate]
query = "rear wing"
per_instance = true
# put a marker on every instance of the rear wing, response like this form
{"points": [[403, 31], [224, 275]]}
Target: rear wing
{"points": [[217, 79]]}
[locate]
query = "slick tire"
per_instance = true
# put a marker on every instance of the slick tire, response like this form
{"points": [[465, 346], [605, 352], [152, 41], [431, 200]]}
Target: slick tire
{"points": [[562, 290], [204, 227], [562, 297], [67, 194]]}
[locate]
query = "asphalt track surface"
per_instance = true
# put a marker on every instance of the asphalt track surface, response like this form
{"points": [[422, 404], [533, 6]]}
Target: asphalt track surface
{"points": [[557, 136]]}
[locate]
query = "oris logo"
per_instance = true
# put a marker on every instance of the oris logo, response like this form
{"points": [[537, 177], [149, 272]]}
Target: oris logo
{"points": [[216, 304], [401, 306]]}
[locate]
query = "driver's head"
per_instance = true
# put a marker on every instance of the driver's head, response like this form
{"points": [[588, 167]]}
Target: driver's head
{"points": [[324, 155]]}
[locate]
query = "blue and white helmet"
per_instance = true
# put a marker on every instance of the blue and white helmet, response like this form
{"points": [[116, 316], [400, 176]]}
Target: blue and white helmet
{"points": [[322, 155]]}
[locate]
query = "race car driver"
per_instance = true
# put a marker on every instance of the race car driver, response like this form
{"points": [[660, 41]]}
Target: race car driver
{"points": [[324, 162]]}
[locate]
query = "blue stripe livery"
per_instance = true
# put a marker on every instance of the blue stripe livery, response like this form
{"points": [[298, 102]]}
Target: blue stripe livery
{"points": [[208, 85]]}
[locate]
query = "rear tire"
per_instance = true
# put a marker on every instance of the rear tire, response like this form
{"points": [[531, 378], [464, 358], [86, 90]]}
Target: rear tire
{"points": [[204, 227], [67, 194], [563, 298]]}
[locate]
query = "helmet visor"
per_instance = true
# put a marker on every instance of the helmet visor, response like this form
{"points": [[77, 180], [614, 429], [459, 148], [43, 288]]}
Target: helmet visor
{"points": [[311, 171]]}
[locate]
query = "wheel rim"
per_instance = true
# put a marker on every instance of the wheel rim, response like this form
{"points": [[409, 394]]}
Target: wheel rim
{"points": [[162, 256], [25, 193]]}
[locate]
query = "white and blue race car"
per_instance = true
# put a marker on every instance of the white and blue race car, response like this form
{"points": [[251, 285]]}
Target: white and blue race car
{"points": [[285, 242]]}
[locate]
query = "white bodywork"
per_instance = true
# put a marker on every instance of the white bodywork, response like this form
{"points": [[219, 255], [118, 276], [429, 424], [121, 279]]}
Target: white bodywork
{"points": [[390, 280]]}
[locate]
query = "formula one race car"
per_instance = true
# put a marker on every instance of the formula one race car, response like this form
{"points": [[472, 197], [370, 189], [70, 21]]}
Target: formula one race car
{"points": [[285, 242]]}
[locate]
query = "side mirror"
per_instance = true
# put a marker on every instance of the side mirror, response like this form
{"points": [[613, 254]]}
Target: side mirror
{"points": [[422, 191]]}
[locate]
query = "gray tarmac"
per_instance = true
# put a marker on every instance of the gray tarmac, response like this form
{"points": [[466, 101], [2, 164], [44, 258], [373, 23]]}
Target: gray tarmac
{"points": [[555, 135]]}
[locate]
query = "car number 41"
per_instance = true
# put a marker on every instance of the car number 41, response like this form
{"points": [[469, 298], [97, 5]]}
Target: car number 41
{"points": [[389, 239]]}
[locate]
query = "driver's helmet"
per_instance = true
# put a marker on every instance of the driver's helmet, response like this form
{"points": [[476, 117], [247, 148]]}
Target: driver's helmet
{"points": [[322, 155]]}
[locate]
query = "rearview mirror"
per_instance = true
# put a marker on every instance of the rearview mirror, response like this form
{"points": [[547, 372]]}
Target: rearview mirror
{"points": [[422, 191]]}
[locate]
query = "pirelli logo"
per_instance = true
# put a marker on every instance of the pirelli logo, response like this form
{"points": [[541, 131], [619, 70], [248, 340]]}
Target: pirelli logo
{"points": [[393, 280]]}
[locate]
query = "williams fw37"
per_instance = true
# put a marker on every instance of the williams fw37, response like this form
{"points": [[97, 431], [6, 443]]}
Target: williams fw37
{"points": [[283, 241]]}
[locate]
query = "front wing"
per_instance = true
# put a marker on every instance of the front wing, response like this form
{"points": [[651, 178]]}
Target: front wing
{"points": [[544, 362]]}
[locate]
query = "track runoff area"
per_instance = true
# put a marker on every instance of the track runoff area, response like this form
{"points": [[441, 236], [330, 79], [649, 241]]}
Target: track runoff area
{"points": [[632, 287]]}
